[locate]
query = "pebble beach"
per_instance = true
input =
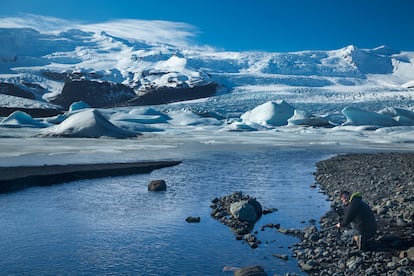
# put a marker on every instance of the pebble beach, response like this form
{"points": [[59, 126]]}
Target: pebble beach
{"points": [[386, 181]]}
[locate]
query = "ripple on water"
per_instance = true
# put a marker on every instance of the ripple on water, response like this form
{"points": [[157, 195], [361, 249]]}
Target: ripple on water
{"points": [[114, 225]]}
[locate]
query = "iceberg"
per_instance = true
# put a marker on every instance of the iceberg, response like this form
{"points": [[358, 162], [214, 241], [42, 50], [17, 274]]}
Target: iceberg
{"points": [[75, 106], [358, 117], [272, 113], [402, 116], [188, 118], [302, 118], [21, 119], [87, 124], [239, 126]]}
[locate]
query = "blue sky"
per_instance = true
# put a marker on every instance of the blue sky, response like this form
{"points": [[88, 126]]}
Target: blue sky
{"points": [[239, 25]]}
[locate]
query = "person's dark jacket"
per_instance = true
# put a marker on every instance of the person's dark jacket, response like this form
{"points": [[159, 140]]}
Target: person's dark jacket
{"points": [[358, 212]]}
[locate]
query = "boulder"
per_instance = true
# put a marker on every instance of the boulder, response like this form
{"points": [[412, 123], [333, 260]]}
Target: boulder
{"points": [[257, 207], [192, 219], [410, 254], [157, 186], [243, 210], [250, 271]]}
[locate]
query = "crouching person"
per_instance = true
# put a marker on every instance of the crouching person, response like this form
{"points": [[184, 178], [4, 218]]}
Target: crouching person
{"points": [[360, 216]]}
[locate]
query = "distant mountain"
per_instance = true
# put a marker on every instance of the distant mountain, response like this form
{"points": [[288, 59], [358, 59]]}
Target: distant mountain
{"points": [[50, 71]]}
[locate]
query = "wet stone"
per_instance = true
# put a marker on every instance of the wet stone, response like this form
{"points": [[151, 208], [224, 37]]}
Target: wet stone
{"points": [[239, 212]]}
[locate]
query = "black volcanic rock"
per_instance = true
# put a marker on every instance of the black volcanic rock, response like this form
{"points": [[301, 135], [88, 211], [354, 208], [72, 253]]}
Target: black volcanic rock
{"points": [[14, 90], [94, 93], [165, 95]]}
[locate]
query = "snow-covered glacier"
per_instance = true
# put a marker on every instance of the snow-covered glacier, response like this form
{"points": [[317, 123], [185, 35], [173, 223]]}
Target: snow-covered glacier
{"points": [[126, 87]]}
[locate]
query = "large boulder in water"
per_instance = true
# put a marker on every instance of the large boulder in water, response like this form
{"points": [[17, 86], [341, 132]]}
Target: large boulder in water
{"points": [[246, 210], [157, 185], [251, 271]]}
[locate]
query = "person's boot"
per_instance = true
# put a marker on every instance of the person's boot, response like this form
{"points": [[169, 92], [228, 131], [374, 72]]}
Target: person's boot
{"points": [[358, 241]]}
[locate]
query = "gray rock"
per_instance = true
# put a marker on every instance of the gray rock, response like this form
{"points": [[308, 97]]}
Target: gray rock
{"points": [[251, 271], [239, 212], [192, 219], [257, 207], [281, 256], [243, 210], [308, 266], [157, 185], [410, 254]]}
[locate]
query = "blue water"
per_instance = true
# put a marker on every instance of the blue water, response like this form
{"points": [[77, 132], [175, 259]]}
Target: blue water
{"points": [[115, 226]]}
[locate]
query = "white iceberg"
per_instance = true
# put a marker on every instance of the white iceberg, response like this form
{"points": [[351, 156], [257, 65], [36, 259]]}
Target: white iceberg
{"points": [[242, 126], [87, 124], [358, 117], [302, 118], [188, 118], [137, 120], [272, 113]]}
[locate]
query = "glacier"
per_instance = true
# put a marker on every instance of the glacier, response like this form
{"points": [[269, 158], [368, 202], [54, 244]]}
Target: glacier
{"points": [[96, 84]]}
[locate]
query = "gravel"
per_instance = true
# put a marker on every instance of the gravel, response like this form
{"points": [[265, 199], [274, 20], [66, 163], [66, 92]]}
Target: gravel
{"points": [[386, 181]]}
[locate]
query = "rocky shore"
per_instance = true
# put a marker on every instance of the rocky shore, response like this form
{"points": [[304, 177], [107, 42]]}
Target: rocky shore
{"points": [[386, 181]]}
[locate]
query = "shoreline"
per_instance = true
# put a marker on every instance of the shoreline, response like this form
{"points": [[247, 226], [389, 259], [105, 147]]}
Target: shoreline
{"points": [[386, 181], [17, 178]]}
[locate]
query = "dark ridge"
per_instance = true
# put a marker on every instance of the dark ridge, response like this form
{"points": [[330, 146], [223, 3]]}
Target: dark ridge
{"points": [[165, 95], [94, 93], [18, 178]]}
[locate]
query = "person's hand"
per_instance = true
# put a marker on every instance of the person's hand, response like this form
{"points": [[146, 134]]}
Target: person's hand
{"points": [[338, 225]]}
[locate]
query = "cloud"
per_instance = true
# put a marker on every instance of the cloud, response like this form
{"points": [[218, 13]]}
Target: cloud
{"points": [[37, 22], [176, 33]]}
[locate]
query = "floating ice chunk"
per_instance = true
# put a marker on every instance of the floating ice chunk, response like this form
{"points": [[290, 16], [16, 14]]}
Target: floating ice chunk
{"points": [[302, 118], [409, 84], [56, 119], [240, 126], [136, 127], [270, 114], [142, 116], [75, 106], [188, 118], [358, 117], [21, 119], [88, 124], [148, 111], [402, 116]]}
